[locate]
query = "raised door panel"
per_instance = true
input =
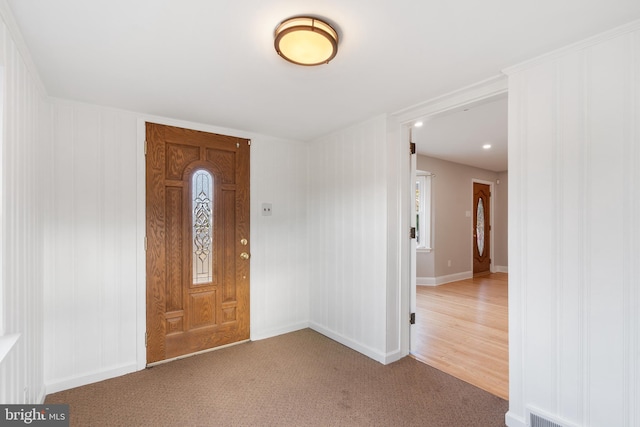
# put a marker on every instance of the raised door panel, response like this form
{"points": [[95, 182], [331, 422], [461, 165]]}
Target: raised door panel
{"points": [[197, 229]]}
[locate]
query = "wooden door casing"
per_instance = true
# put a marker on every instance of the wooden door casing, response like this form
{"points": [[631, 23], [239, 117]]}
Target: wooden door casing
{"points": [[182, 316], [482, 261]]}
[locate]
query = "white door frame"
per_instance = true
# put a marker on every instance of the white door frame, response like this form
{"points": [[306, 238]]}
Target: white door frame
{"points": [[476, 94]]}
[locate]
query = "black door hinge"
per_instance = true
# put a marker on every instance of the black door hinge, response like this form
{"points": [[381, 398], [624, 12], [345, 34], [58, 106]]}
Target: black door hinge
{"points": [[412, 147], [412, 319], [412, 233]]}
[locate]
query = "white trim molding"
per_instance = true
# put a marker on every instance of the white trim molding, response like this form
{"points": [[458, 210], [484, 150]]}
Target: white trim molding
{"points": [[6, 344], [441, 280], [16, 35], [478, 93], [583, 44], [94, 377], [270, 333], [355, 345]]}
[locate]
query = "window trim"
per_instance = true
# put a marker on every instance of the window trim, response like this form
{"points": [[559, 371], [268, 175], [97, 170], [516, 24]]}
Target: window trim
{"points": [[423, 212]]}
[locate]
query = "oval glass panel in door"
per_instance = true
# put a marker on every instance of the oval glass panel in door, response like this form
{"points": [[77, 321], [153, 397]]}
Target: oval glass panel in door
{"points": [[480, 227], [202, 222]]}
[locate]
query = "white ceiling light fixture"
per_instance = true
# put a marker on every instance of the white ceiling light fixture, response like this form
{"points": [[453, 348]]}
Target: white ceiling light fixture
{"points": [[486, 146], [305, 40], [418, 124]]}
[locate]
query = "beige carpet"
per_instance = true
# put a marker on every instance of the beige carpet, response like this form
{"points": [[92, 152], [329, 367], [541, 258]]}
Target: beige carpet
{"points": [[297, 379]]}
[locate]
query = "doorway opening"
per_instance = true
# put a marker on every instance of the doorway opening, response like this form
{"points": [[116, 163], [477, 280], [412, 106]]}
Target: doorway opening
{"points": [[449, 264]]}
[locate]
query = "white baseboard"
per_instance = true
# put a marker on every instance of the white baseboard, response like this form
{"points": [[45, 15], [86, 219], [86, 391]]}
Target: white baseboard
{"points": [[426, 281], [394, 357], [80, 380], [502, 268], [269, 333], [354, 345], [512, 420], [441, 280], [42, 394]]}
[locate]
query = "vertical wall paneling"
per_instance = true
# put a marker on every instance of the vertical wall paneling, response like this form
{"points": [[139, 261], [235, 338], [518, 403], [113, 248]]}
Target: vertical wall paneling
{"points": [[633, 326], [572, 148], [279, 260], [399, 198], [91, 321], [517, 237], [348, 236], [95, 312], [607, 87], [573, 228], [25, 195], [540, 264], [631, 178]]}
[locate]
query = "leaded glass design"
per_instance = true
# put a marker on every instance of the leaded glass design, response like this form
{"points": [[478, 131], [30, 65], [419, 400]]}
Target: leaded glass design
{"points": [[202, 199], [480, 227]]}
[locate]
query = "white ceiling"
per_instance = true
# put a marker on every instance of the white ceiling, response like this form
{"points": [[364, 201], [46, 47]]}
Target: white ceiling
{"points": [[213, 61], [459, 135]]}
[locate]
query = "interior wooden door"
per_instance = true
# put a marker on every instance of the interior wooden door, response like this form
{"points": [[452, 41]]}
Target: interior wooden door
{"points": [[197, 213], [481, 229]]}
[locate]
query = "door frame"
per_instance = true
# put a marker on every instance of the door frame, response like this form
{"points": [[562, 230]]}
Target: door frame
{"points": [[491, 185], [141, 255], [482, 92]]}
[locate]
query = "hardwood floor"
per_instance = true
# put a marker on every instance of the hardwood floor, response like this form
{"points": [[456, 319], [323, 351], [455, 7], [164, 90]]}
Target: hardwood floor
{"points": [[462, 329]]}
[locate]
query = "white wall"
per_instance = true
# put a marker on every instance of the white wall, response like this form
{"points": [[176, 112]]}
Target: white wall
{"points": [[26, 184], [95, 301], [347, 223], [90, 317], [279, 260], [320, 259], [574, 228]]}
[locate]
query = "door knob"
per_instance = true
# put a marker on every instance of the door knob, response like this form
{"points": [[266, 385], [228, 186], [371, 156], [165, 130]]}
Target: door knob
{"points": [[245, 255]]}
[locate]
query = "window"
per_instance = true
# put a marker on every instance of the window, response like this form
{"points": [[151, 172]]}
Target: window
{"points": [[423, 210], [202, 222]]}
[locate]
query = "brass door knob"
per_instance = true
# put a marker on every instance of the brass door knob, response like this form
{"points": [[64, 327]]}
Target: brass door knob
{"points": [[245, 255]]}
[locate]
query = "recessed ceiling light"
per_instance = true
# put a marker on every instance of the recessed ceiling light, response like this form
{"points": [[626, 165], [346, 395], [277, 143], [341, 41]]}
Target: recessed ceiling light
{"points": [[305, 40], [486, 146], [418, 124]]}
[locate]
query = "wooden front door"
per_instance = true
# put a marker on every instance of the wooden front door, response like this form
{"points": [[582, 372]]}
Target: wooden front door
{"points": [[481, 229], [197, 212]]}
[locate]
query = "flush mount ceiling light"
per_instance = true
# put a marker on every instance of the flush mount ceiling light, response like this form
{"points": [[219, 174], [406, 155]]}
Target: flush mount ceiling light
{"points": [[305, 40]]}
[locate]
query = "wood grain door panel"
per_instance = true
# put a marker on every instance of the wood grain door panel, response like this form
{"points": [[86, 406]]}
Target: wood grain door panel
{"points": [[185, 313]]}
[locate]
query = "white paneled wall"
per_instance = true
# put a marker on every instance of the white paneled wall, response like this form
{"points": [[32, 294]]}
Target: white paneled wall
{"points": [[26, 185], [91, 297], [279, 242], [94, 309], [574, 228], [348, 236]]}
